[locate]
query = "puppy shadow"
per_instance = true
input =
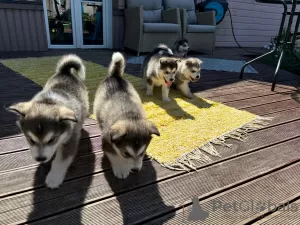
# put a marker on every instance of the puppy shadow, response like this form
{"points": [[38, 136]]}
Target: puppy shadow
{"points": [[172, 108], [47, 202], [142, 203]]}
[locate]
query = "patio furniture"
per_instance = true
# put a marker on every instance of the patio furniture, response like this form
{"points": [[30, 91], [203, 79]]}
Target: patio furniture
{"points": [[147, 24], [288, 40], [198, 27]]}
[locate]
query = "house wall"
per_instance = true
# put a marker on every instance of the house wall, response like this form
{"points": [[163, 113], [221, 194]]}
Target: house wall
{"points": [[254, 24], [22, 27]]}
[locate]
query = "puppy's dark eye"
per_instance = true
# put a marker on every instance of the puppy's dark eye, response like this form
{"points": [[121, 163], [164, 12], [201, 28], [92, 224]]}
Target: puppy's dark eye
{"points": [[127, 155], [31, 141], [167, 72], [193, 71], [52, 140]]}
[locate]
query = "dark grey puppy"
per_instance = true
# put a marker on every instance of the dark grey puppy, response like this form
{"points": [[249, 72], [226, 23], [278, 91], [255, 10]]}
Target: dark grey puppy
{"points": [[126, 133], [181, 48]]}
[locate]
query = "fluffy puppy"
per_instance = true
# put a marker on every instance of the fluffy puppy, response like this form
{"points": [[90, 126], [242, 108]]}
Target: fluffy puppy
{"points": [[126, 133], [181, 48], [188, 71], [159, 69], [52, 120]]}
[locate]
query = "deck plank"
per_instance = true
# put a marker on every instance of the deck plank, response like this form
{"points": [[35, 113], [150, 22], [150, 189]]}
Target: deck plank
{"points": [[135, 209], [256, 141], [262, 192]]}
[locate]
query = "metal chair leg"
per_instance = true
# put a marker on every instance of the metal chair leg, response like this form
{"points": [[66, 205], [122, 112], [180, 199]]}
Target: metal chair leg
{"points": [[253, 60], [277, 70]]}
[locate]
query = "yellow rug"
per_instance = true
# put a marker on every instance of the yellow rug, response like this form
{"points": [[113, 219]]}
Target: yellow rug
{"points": [[189, 128]]}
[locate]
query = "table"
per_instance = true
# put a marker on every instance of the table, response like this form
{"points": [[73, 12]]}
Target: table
{"points": [[286, 40]]}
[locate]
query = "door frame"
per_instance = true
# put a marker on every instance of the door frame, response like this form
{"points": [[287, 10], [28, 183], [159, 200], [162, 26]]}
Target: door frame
{"points": [[77, 26]]}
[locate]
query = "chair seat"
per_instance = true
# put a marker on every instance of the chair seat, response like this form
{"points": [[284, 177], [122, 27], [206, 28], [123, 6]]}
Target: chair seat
{"points": [[161, 28], [200, 28]]}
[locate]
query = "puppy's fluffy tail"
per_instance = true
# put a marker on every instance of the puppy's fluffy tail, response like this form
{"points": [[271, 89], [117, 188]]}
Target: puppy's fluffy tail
{"points": [[68, 62], [117, 65]]}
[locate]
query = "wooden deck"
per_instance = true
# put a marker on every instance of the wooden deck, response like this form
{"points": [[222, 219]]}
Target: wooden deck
{"points": [[263, 170]]}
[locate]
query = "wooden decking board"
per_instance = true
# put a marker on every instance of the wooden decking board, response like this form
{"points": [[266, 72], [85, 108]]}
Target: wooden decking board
{"points": [[278, 97], [264, 191], [238, 90], [181, 189], [19, 198], [281, 217], [285, 131], [273, 107], [74, 193], [19, 143]]}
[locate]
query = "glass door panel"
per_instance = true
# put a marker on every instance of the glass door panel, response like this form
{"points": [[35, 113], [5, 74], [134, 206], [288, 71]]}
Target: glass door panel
{"points": [[92, 23], [59, 15]]}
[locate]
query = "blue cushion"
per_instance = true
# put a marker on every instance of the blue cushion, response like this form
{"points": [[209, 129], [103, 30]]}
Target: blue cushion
{"points": [[200, 29], [147, 4], [152, 16], [161, 28]]}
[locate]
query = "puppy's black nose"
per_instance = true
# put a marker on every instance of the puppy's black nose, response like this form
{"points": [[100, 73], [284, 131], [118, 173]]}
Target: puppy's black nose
{"points": [[171, 79], [197, 77], [134, 170], [40, 159]]}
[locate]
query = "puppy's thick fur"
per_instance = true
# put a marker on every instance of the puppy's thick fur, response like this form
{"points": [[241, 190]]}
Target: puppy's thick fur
{"points": [[181, 48], [188, 71], [126, 133], [53, 119], [159, 69]]}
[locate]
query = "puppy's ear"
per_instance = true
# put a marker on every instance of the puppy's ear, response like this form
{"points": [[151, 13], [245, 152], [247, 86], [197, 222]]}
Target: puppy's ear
{"points": [[20, 108], [199, 61], [163, 60], [152, 128], [188, 63], [118, 131], [66, 114]]}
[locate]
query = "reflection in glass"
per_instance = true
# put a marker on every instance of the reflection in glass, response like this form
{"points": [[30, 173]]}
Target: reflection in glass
{"points": [[92, 22], [60, 22]]}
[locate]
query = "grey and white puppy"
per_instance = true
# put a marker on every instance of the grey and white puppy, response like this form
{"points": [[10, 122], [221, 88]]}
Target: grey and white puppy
{"points": [[126, 133], [181, 48], [159, 69], [188, 71], [52, 120]]}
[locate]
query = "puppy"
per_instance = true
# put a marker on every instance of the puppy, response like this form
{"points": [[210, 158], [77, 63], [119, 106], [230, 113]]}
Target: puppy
{"points": [[188, 71], [52, 120], [126, 133], [181, 48], [159, 69]]}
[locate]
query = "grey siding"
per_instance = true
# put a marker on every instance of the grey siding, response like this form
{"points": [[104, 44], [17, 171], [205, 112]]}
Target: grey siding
{"points": [[22, 27], [254, 24]]}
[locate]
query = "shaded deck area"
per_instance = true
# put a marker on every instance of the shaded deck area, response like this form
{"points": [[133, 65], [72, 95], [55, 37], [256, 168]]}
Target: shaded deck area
{"points": [[243, 186]]}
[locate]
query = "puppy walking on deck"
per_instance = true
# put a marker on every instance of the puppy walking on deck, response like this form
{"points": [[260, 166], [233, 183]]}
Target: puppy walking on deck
{"points": [[53, 119], [126, 133], [159, 69]]}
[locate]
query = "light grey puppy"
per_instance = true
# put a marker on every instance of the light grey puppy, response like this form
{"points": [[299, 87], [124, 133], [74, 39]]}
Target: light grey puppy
{"points": [[52, 120]]}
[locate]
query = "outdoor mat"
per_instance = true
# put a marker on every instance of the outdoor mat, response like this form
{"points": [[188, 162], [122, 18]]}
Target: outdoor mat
{"points": [[190, 129], [210, 64]]}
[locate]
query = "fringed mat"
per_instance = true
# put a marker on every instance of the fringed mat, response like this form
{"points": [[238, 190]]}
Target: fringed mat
{"points": [[189, 129]]}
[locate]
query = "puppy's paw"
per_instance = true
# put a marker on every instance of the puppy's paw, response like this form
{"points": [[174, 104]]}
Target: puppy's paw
{"points": [[149, 93], [121, 172], [190, 95], [54, 180], [166, 99]]}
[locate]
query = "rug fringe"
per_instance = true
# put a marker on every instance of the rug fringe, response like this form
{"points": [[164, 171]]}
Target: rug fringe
{"points": [[191, 160]]}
